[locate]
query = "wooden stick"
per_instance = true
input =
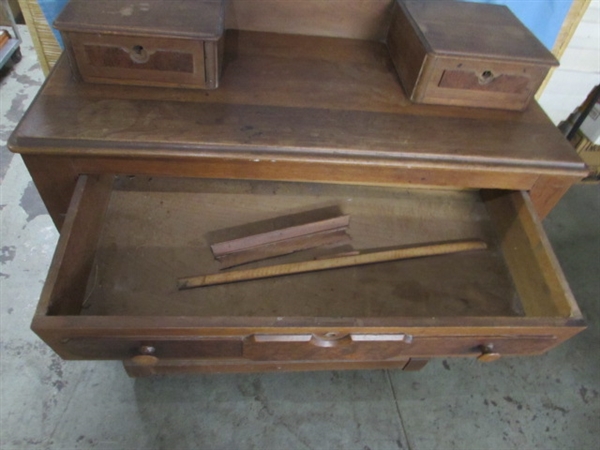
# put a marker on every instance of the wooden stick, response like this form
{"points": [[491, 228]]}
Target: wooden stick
{"points": [[332, 263], [235, 245]]}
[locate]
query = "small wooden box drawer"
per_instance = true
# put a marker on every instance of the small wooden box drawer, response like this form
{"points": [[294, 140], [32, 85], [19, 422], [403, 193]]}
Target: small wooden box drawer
{"points": [[151, 44], [147, 61], [466, 54], [111, 292]]}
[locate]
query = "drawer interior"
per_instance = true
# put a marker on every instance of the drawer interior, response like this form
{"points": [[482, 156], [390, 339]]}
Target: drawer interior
{"points": [[127, 240]]}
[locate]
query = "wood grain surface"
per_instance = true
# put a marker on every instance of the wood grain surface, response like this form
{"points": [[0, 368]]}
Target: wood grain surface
{"points": [[290, 96]]}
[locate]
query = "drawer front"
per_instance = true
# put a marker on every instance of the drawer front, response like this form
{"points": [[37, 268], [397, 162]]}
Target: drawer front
{"points": [[370, 347], [139, 60], [302, 347], [329, 346], [127, 348], [481, 83]]}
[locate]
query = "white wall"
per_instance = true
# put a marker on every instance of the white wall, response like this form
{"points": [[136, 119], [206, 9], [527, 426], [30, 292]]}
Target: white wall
{"points": [[579, 69]]}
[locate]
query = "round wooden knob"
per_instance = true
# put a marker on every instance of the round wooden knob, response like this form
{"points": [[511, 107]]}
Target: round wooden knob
{"points": [[488, 354], [146, 356]]}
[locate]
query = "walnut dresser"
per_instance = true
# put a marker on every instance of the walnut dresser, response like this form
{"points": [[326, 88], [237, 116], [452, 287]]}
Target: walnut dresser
{"points": [[139, 180]]}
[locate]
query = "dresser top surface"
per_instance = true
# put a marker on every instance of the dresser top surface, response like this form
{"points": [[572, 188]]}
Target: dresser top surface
{"points": [[202, 19], [288, 96], [478, 30]]}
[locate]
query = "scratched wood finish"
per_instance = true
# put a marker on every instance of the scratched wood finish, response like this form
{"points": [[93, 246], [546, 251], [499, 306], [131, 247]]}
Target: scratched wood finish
{"points": [[469, 54], [300, 108], [137, 273], [296, 108], [302, 97], [125, 302]]}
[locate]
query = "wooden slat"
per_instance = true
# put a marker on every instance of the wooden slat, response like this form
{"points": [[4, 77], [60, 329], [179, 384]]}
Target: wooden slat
{"points": [[332, 263], [257, 240], [327, 238]]}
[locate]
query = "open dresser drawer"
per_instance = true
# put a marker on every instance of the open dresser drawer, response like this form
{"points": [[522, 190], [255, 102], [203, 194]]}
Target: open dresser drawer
{"points": [[112, 292]]}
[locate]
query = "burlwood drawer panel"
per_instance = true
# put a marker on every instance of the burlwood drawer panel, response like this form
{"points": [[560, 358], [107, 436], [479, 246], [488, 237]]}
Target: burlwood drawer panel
{"points": [[126, 348], [481, 83], [111, 290], [139, 60]]}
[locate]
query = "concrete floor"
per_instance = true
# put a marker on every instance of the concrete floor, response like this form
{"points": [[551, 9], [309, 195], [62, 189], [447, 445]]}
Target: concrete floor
{"points": [[545, 402]]}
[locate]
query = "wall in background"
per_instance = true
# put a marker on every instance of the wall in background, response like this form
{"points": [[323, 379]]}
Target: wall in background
{"points": [[579, 69]]}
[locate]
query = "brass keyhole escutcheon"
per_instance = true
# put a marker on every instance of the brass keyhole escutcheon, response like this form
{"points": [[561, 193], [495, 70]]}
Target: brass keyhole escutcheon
{"points": [[139, 54], [486, 77]]}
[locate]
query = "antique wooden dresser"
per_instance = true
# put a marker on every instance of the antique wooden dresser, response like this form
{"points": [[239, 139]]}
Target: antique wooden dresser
{"points": [[139, 180]]}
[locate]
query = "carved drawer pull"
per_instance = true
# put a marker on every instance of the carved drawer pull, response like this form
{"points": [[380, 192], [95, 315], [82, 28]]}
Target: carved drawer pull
{"points": [[333, 338]]}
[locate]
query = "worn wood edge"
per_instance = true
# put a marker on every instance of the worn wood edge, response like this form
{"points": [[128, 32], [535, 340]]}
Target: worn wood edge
{"points": [[567, 30], [220, 249], [33, 146], [118, 31], [327, 264], [173, 327], [181, 367], [520, 229], [327, 173], [422, 84]]}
